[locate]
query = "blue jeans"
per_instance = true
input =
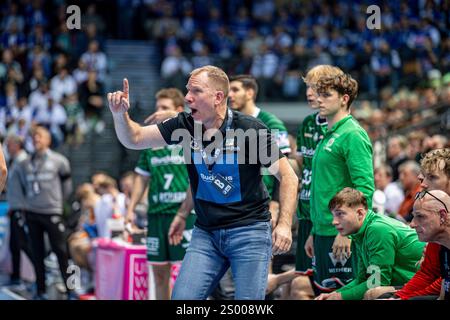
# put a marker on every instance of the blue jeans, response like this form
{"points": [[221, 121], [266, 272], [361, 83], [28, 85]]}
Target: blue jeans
{"points": [[247, 250]]}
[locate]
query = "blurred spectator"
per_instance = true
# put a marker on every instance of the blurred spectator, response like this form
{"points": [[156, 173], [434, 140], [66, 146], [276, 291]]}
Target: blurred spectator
{"points": [[363, 68], [63, 42], [243, 64], [54, 118], [91, 17], [91, 97], [21, 110], [95, 60], [225, 46], [319, 56], [396, 154], [38, 36], [264, 68], [80, 74], [13, 39], [33, 82], [436, 141], [241, 23], [279, 39], [38, 57], [10, 70], [175, 68], [34, 14], [202, 58], [79, 242], [112, 204], [38, 99], [188, 24], [76, 125], [386, 64], [167, 22], [409, 171], [253, 42], [393, 192], [12, 16], [62, 84], [414, 149]]}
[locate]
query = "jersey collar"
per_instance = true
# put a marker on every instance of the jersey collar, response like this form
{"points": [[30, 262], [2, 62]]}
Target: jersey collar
{"points": [[256, 112], [341, 122], [318, 122], [361, 232]]}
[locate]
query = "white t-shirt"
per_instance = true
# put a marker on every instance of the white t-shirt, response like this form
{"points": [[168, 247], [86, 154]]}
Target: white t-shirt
{"points": [[394, 197], [104, 210]]}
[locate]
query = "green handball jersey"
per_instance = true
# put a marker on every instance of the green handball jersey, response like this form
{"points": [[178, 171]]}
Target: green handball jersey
{"points": [[280, 132], [309, 134], [342, 159], [168, 178]]}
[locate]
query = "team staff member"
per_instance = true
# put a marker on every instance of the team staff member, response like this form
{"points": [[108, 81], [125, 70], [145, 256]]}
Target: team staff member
{"points": [[426, 283], [18, 239], [164, 172], [388, 250], [232, 226], [431, 219], [342, 159], [45, 178], [242, 96]]}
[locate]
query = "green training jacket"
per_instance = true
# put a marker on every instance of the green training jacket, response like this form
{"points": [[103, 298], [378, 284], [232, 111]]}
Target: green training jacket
{"points": [[342, 159], [388, 252]]}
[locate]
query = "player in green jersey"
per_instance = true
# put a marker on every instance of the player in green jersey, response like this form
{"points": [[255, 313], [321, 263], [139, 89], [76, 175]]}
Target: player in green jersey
{"points": [[310, 133], [388, 250], [242, 96], [342, 159], [164, 172]]}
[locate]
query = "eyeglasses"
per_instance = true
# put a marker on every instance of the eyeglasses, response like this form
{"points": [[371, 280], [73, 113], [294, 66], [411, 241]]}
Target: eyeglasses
{"points": [[421, 194]]}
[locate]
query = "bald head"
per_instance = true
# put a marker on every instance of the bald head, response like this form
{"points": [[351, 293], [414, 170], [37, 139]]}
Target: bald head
{"points": [[434, 200], [431, 217]]}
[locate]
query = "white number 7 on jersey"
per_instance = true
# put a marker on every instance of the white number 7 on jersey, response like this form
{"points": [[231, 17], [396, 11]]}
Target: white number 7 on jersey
{"points": [[168, 177]]}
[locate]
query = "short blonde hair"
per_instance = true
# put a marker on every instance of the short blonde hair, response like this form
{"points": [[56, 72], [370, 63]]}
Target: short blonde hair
{"points": [[217, 76], [322, 70], [42, 131], [173, 94]]}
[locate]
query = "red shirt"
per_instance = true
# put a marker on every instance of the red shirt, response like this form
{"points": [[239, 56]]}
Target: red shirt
{"points": [[407, 204], [427, 281]]}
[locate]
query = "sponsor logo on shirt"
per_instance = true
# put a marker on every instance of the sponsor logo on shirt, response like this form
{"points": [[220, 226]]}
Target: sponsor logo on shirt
{"points": [[158, 161], [210, 177], [307, 152]]}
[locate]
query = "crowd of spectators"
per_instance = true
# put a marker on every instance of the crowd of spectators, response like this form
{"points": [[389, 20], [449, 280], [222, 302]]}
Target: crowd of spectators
{"points": [[276, 41], [49, 75]]}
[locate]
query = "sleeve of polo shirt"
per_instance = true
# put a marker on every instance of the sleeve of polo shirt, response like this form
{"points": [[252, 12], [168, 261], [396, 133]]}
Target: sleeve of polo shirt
{"points": [[173, 130], [359, 160], [268, 151], [381, 251]]}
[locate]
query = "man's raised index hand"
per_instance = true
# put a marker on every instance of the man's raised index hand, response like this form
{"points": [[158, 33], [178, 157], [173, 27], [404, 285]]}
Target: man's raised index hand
{"points": [[126, 88]]}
